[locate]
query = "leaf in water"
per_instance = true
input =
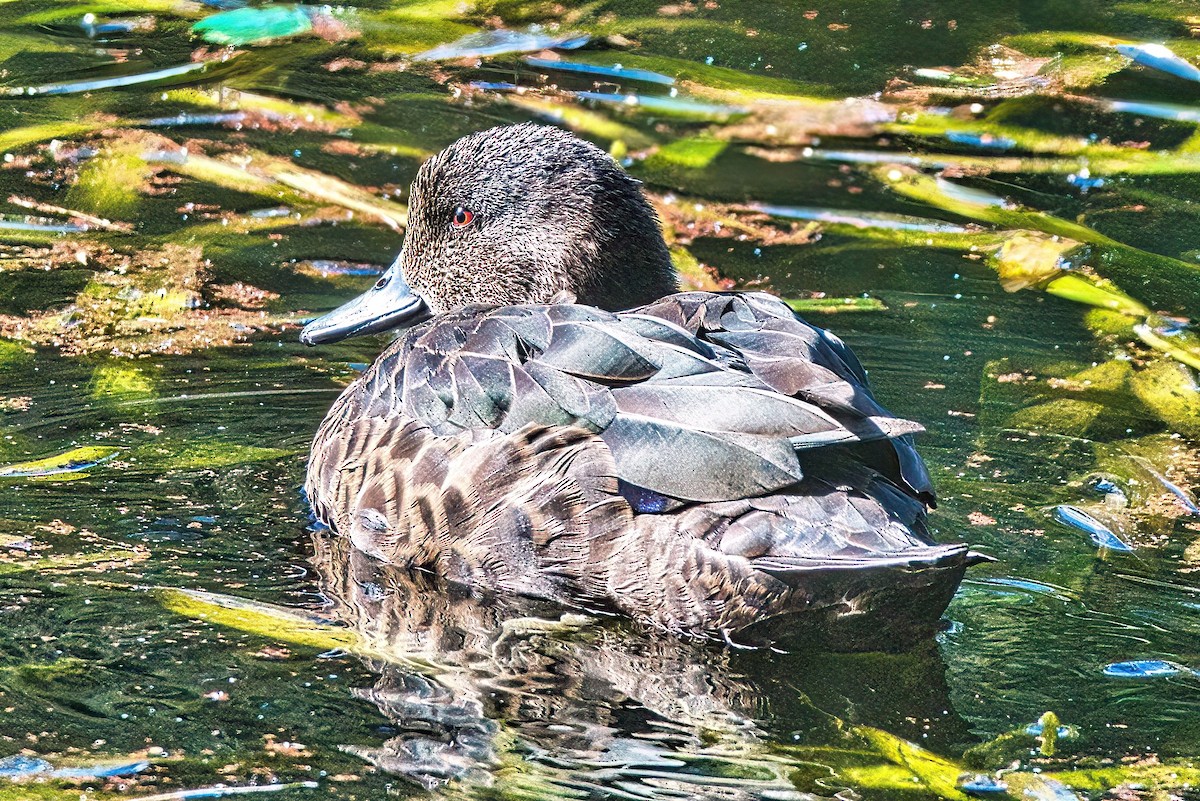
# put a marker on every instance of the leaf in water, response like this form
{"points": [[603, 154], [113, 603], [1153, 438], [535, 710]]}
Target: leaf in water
{"points": [[983, 785], [1047, 733], [328, 188], [1160, 57], [20, 766], [1081, 290], [834, 305], [271, 622], [72, 461], [1100, 534], [167, 74], [254, 25], [614, 71], [861, 219], [499, 42], [1144, 669], [1177, 342], [674, 106]]}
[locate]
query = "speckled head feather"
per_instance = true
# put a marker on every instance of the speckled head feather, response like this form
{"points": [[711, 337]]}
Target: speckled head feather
{"points": [[549, 213]]}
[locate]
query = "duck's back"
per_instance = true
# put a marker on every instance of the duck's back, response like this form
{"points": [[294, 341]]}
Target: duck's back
{"points": [[707, 463]]}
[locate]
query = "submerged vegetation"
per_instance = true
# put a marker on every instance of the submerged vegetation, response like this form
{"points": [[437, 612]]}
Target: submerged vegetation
{"points": [[995, 203]]}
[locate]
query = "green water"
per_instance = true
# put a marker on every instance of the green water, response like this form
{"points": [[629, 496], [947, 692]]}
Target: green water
{"points": [[164, 342]]}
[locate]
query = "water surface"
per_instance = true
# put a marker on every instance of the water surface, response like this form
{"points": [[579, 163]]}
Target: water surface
{"points": [[994, 204]]}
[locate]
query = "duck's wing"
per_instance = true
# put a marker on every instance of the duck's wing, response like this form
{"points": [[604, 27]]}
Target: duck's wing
{"points": [[801, 361], [700, 397]]}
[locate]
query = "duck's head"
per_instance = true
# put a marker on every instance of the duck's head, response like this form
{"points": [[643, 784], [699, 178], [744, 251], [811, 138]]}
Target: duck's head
{"points": [[518, 214]]}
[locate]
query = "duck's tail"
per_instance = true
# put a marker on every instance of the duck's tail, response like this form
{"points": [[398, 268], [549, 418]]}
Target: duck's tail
{"points": [[880, 602]]}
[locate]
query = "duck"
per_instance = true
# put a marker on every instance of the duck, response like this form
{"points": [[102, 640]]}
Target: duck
{"points": [[555, 419]]}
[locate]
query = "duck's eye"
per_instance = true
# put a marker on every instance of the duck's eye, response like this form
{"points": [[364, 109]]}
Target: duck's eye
{"points": [[462, 217]]}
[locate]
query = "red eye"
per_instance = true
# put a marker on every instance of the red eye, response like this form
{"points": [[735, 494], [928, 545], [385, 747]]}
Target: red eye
{"points": [[463, 217]]}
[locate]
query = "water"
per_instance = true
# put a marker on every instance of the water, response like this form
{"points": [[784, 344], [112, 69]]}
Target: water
{"points": [[955, 223]]}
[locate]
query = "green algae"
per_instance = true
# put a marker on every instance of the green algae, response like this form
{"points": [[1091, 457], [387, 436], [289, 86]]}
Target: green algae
{"points": [[117, 382], [1169, 390], [110, 185], [687, 154], [203, 454], [85, 561]]}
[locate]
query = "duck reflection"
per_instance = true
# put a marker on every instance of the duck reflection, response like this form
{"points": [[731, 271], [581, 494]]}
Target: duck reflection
{"points": [[518, 696]]}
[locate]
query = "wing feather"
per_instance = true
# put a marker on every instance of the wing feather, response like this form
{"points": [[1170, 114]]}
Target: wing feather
{"points": [[700, 396]]}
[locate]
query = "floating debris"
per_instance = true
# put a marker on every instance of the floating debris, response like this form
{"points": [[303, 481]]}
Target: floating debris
{"points": [[1177, 341], [861, 219], [271, 213], [1162, 111], [970, 194], [223, 791], [931, 74], [254, 25], [1144, 669], [495, 86], [75, 87], [87, 221], [27, 223], [73, 461], [1084, 182], [93, 28], [873, 157], [1101, 534], [1036, 728], [1025, 587], [982, 784], [225, 118], [326, 268], [19, 767], [981, 140], [1185, 497], [615, 71], [668, 105], [499, 42], [1114, 496], [1160, 57]]}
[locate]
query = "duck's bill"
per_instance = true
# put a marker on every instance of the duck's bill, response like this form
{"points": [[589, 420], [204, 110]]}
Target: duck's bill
{"points": [[389, 304]]}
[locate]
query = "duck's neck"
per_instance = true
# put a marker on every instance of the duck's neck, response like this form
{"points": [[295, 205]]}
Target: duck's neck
{"points": [[629, 264]]}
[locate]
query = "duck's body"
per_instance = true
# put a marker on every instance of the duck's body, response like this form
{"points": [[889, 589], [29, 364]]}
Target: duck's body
{"points": [[707, 463]]}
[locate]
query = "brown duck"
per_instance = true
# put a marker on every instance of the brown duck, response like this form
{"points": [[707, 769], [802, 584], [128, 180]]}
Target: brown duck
{"points": [[706, 463]]}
